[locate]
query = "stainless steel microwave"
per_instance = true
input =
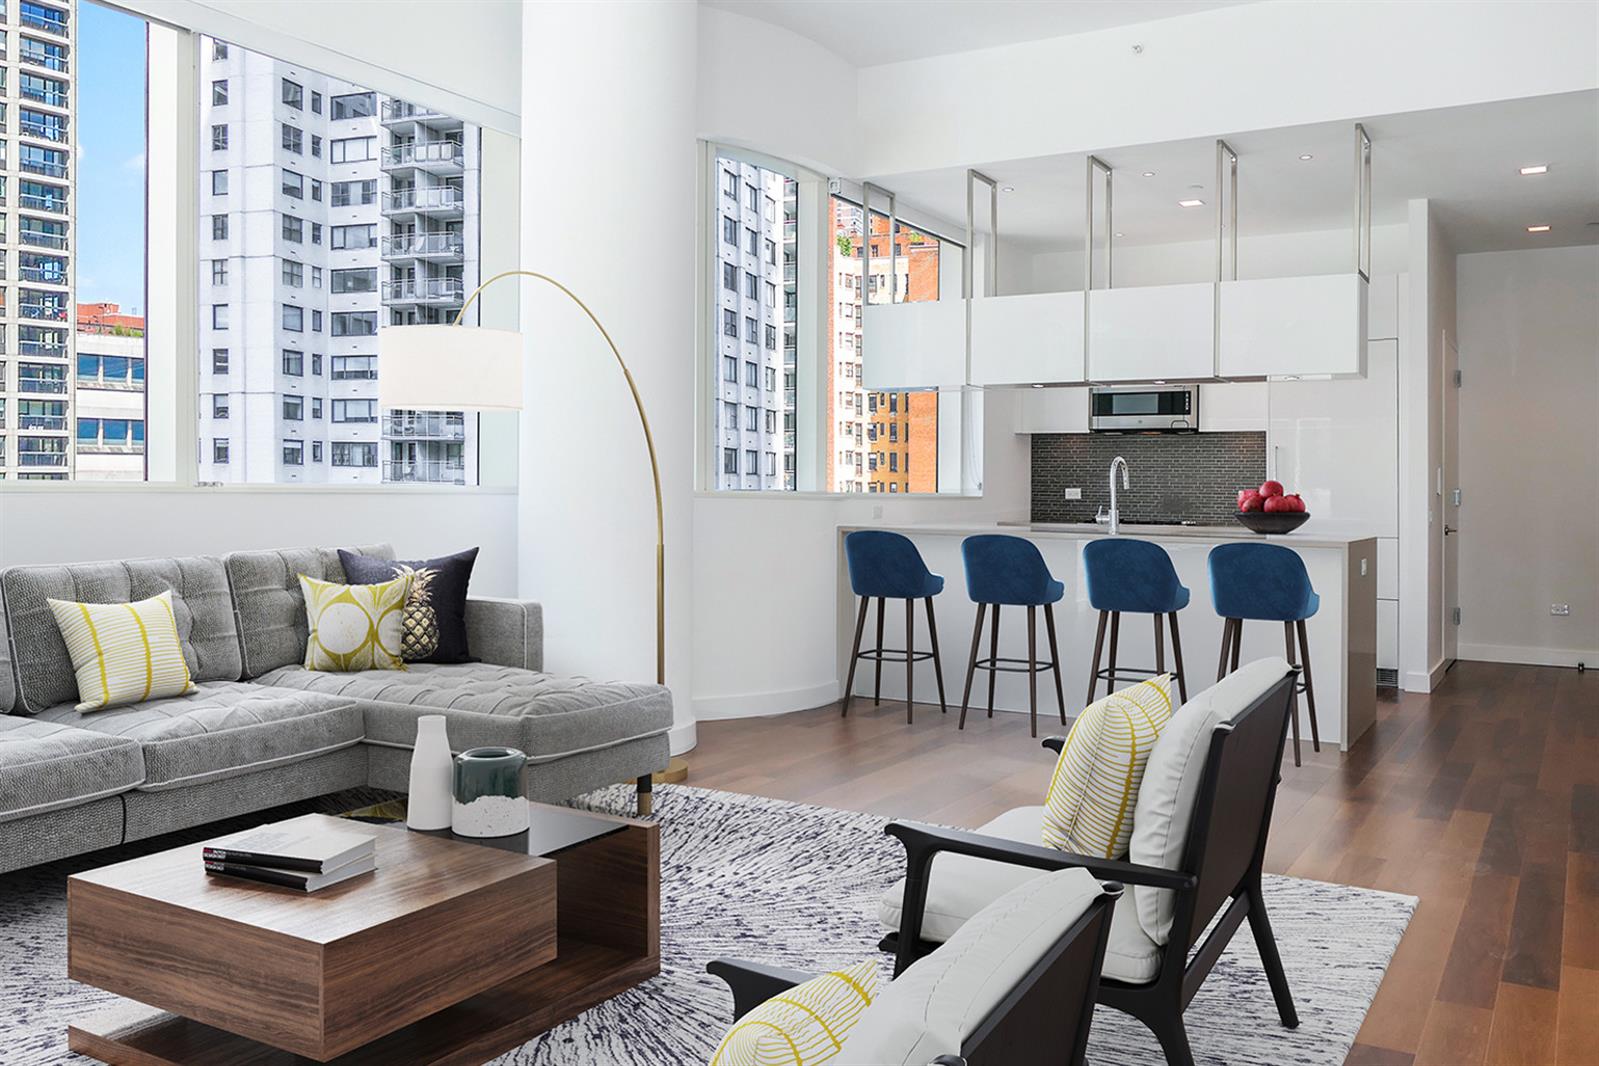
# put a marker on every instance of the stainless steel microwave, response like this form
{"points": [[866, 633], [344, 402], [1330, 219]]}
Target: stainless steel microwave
{"points": [[1144, 409]]}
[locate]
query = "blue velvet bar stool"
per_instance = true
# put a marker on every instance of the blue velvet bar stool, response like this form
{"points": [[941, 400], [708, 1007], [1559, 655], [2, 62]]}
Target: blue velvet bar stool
{"points": [[1265, 583], [1009, 571], [1127, 576], [887, 566]]}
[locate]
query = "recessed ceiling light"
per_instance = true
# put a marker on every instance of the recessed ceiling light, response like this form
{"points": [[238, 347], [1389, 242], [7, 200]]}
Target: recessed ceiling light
{"points": [[1121, 234], [1007, 188], [1037, 386], [1190, 203], [1541, 168], [1149, 173], [1541, 228], [1307, 157]]}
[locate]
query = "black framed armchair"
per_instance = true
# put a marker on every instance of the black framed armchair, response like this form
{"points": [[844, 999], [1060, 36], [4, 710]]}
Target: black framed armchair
{"points": [[1214, 839]]}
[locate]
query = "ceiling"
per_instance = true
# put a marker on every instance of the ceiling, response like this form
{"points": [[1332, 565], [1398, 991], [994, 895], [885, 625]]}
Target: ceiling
{"points": [[1465, 159], [868, 32]]}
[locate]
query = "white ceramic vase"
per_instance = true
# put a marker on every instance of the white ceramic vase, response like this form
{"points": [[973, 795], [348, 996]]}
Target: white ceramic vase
{"points": [[428, 805]]}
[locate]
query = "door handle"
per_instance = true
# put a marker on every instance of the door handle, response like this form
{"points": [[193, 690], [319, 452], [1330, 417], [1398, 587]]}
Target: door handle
{"points": [[1450, 531]]}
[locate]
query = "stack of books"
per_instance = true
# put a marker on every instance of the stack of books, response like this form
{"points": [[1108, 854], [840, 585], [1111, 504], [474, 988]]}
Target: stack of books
{"points": [[300, 853]]}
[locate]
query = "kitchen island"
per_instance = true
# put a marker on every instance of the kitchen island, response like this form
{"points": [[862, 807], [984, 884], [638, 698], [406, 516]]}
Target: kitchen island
{"points": [[1342, 564]]}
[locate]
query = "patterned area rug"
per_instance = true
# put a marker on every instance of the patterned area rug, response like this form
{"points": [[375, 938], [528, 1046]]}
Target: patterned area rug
{"points": [[797, 886]]}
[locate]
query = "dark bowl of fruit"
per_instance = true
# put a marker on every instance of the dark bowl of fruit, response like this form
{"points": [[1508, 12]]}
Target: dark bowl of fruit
{"points": [[1269, 510]]}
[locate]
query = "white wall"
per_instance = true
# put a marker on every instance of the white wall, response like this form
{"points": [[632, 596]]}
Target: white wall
{"points": [[1202, 75], [609, 188], [149, 520], [1529, 455]]}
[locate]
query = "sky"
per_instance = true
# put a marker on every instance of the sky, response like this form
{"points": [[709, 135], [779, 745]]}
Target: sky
{"points": [[110, 63]]}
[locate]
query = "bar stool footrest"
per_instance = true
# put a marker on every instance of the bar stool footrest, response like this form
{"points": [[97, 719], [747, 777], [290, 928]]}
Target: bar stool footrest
{"points": [[989, 664], [893, 655]]}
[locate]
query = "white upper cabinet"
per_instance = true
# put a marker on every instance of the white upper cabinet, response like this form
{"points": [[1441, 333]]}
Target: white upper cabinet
{"points": [[914, 345], [1302, 326], [1152, 333], [1053, 411], [1026, 340]]}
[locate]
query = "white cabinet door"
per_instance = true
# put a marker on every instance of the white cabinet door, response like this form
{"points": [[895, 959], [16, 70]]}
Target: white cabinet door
{"points": [[1053, 411], [1024, 340], [1282, 326], [1153, 333], [914, 345], [1382, 307], [1336, 443], [1233, 407]]}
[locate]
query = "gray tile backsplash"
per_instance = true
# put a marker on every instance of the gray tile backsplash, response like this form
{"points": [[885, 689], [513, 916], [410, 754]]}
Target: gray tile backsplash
{"points": [[1186, 476]]}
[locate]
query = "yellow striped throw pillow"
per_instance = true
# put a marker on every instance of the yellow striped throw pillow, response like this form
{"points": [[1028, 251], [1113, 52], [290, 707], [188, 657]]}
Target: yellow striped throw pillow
{"points": [[123, 652], [803, 1026], [1089, 809], [355, 627]]}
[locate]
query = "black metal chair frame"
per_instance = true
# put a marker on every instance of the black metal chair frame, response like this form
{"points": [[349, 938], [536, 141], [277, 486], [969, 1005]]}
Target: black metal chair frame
{"points": [[1035, 1022], [1232, 640], [909, 656], [1029, 666], [1222, 859], [1109, 673]]}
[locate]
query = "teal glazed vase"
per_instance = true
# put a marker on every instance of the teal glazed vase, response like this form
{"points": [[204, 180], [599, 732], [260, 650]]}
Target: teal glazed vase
{"points": [[488, 800]]}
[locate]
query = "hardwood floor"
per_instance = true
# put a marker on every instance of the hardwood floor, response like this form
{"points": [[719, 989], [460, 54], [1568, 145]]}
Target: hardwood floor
{"points": [[1481, 798]]}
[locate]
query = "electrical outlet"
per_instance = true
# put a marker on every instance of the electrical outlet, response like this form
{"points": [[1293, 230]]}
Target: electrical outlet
{"points": [[1560, 610], [1074, 494]]}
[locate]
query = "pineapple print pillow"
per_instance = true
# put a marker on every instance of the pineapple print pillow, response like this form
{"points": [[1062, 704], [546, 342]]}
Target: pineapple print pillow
{"points": [[354, 627], [433, 626]]}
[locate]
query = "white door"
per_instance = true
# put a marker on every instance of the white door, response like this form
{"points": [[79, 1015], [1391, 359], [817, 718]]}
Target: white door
{"points": [[1336, 443], [1449, 506]]}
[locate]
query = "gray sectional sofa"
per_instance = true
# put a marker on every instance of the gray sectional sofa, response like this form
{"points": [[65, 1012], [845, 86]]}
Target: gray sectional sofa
{"points": [[261, 730]]}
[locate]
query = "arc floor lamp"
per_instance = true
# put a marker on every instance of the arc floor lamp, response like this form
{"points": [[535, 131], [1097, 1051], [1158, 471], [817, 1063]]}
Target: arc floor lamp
{"points": [[485, 374]]}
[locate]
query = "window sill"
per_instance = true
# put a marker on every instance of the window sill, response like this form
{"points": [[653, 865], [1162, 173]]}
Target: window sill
{"points": [[772, 494], [46, 488]]}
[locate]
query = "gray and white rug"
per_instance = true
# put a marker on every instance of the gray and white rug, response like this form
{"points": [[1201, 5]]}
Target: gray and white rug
{"points": [[797, 885]]}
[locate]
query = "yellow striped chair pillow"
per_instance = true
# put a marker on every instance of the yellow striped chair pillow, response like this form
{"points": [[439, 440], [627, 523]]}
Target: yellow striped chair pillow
{"points": [[123, 652], [803, 1026], [1089, 809]]}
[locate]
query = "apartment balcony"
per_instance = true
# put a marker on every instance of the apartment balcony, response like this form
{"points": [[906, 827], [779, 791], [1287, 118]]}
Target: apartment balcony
{"points": [[441, 471], [442, 200], [100, 447], [424, 291], [55, 205], [425, 427], [58, 27], [54, 460], [38, 275], [42, 312], [41, 166], [405, 111], [44, 131], [424, 246], [49, 98], [35, 58], [435, 157], [52, 423], [41, 349]]}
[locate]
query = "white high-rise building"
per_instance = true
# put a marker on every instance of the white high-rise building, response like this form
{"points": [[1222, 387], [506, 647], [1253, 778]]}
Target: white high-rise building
{"points": [[37, 233], [326, 210]]}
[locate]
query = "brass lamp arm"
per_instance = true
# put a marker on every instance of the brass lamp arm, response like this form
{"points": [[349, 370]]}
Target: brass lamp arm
{"points": [[649, 441]]}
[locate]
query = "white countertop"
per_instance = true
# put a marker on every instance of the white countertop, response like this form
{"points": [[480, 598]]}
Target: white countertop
{"points": [[1310, 535]]}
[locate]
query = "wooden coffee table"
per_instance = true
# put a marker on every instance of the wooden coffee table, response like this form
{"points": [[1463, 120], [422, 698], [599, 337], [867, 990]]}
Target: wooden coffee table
{"points": [[451, 952]]}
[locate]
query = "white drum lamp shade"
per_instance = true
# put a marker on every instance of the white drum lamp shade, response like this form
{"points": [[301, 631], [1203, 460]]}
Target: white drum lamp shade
{"points": [[450, 368]]}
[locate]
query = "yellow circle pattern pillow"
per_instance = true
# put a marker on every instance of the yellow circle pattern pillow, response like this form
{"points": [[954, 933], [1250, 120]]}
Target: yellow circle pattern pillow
{"points": [[803, 1026], [355, 627], [1089, 809]]}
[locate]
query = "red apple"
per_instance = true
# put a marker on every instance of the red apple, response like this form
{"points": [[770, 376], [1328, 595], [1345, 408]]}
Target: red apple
{"points": [[1277, 505], [1271, 488], [1243, 498], [1253, 502]]}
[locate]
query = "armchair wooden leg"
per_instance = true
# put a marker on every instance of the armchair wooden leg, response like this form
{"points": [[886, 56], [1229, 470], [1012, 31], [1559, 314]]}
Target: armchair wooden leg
{"points": [[1099, 648], [1054, 658], [1173, 1037], [855, 655], [1032, 668], [646, 795], [1177, 654], [971, 666], [1266, 942], [910, 661], [938, 664], [1310, 686], [877, 688], [993, 654]]}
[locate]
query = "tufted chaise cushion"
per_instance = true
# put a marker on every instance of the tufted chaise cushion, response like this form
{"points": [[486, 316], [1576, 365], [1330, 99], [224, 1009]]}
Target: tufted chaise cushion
{"points": [[46, 765]]}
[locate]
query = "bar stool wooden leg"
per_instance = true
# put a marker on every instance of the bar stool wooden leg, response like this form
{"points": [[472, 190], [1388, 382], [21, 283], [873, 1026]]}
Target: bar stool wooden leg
{"points": [[910, 660], [877, 690], [1226, 646], [938, 664], [1160, 645], [1032, 668], [971, 666], [1054, 660], [1177, 654], [1288, 642], [855, 654], [1115, 633], [993, 655], [1310, 687], [1238, 640], [1099, 647]]}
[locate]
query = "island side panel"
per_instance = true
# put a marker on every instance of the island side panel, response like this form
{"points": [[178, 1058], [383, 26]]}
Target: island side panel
{"points": [[1360, 660]]}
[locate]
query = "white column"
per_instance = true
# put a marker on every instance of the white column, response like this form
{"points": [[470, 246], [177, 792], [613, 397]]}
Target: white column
{"points": [[608, 207]]}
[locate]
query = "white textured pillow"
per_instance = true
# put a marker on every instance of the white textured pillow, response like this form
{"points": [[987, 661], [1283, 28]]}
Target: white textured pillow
{"points": [[1171, 780], [1089, 807], [941, 999], [123, 652]]}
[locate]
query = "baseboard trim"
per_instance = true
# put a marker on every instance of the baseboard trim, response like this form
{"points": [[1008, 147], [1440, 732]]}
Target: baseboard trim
{"points": [[1524, 656], [1417, 681], [764, 704], [682, 738]]}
